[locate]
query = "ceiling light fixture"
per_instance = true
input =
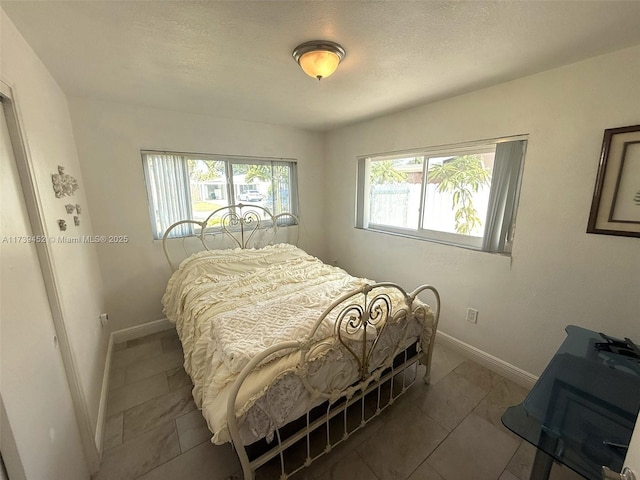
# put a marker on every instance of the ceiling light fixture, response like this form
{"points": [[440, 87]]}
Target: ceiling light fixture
{"points": [[318, 58]]}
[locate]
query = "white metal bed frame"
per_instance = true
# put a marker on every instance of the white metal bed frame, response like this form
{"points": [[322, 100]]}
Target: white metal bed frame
{"points": [[359, 313], [240, 225]]}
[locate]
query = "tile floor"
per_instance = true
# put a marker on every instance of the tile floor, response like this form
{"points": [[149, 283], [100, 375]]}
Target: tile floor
{"points": [[448, 430]]}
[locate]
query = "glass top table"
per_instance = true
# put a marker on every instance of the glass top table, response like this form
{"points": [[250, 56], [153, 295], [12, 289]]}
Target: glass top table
{"points": [[582, 409]]}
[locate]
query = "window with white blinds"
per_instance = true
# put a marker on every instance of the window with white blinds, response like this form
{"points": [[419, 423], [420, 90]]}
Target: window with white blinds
{"points": [[464, 194], [183, 186]]}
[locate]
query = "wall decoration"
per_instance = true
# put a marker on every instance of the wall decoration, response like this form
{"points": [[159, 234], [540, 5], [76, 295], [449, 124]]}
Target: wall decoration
{"points": [[63, 184], [70, 208], [615, 209], [62, 224], [76, 220], [78, 209]]}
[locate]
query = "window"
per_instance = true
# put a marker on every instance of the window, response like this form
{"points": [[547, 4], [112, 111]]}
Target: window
{"points": [[459, 194], [190, 186]]}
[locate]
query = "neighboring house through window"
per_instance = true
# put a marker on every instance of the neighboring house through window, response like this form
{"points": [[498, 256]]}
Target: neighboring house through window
{"points": [[183, 186]]}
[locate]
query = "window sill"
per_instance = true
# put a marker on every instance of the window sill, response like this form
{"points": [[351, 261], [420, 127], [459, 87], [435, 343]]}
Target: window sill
{"points": [[433, 240]]}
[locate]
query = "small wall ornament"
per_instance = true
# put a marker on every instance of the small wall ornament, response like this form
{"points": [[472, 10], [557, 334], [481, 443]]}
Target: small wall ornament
{"points": [[76, 220], [62, 224], [70, 208], [64, 184]]}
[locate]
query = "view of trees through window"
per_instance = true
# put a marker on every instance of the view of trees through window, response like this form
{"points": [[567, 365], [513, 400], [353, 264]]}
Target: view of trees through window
{"points": [[464, 195], [451, 192]]}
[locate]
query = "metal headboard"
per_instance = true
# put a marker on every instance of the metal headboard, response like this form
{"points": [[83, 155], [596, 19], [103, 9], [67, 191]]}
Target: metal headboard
{"points": [[233, 226]]}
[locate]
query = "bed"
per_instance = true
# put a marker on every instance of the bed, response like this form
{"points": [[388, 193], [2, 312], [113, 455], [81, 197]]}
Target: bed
{"points": [[288, 356]]}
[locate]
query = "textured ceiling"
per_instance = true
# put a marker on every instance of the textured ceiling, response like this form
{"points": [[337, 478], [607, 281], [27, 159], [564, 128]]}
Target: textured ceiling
{"points": [[233, 59]]}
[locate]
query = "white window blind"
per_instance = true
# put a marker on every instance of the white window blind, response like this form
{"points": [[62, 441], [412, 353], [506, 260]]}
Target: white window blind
{"points": [[505, 185], [168, 188]]}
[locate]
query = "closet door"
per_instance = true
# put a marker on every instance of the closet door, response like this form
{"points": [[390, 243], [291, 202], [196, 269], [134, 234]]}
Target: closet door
{"points": [[39, 437]]}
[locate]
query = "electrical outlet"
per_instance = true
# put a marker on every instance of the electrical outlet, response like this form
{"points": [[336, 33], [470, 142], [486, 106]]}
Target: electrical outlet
{"points": [[472, 315]]}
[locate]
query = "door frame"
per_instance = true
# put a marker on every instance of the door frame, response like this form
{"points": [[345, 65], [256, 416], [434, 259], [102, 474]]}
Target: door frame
{"points": [[26, 173], [11, 461]]}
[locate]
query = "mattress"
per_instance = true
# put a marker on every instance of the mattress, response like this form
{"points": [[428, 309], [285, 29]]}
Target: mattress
{"points": [[230, 305]]}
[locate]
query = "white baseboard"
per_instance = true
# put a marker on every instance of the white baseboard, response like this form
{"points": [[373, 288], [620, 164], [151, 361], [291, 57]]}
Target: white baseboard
{"points": [[120, 336], [143, 330], [511, 372], [104, 393]]}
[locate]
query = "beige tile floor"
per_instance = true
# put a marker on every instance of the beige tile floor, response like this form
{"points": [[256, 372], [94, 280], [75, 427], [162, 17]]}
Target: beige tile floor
{"points": [[447, 430]]}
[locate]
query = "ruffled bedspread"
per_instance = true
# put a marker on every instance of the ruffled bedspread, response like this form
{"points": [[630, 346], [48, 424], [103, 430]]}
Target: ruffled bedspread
{"points": [[230, 305]]}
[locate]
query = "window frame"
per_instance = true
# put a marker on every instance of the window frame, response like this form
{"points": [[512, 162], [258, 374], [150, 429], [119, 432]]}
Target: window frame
{"points": [[448, 238], [229, 161]]}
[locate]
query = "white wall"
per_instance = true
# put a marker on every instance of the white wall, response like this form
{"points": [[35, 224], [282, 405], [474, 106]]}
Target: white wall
{"points": [[109, 138], [49, 138], [33, 385], [558, 274]]}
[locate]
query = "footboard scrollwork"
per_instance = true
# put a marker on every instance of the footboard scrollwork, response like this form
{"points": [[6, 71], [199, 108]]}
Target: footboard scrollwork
{"points": [[357, 321], [370, 327]]}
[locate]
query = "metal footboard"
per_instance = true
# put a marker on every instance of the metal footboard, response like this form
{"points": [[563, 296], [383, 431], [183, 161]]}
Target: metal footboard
{"points": [[359, 318]]}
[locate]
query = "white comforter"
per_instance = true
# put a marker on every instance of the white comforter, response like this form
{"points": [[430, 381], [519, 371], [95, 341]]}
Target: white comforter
{"points": [[229, 305]]}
